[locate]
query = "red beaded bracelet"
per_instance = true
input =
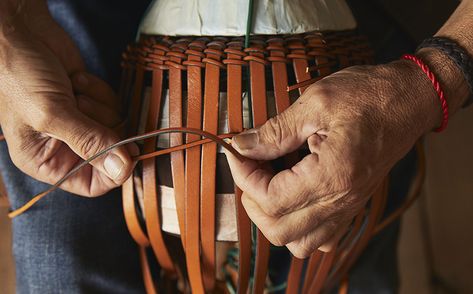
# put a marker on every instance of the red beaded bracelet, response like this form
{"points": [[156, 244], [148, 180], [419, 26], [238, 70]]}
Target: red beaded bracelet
{"points": [[437, 88]]}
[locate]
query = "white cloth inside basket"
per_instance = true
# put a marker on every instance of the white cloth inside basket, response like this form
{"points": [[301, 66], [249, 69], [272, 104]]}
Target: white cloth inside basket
{"points": [[228, 17]]}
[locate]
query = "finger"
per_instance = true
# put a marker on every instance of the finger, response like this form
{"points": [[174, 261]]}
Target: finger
{"points": [[97, 111], [306, 245], [86, 138], [281, 193], [280, 135], [287, 228], [95, 88]]}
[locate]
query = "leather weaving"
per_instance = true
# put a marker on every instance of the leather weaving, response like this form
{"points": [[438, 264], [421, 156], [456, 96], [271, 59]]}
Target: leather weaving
{"points": [[200, 76]]}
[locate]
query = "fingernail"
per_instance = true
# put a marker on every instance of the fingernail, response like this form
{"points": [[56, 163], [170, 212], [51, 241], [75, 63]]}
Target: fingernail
{"points": [[82, 79], [113, 166], [246, 140]]}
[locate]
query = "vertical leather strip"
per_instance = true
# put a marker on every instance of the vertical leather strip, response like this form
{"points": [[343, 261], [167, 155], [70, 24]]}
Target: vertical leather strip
{"points": [[208, 174], [128, 190], [235, 124], [150, 191], [294, 277], [129, 209], [177, 158], [136, 101], [325, 265], [192, 179], [312, 266], [260, 116], [300, 65], [150, 288]]}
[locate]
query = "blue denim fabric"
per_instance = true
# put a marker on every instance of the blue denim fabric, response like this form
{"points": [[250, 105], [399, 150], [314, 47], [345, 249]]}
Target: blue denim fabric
{"points": [[69, 244]]}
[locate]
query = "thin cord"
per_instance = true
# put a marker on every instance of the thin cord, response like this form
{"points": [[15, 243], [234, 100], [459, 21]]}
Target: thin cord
{"points": [[209, 138]]}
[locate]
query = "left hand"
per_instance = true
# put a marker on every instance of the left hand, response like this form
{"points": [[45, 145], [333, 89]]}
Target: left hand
{"points": [[357, 123]]}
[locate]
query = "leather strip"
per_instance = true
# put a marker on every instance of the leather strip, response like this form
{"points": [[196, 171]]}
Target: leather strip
{"points": [[147, 276], [128, 190], [208, 171], [260, 116], [150, 191], [312, 266], [177, 158], [192, 172], [323, 271], [129, 209], [235, 124]]}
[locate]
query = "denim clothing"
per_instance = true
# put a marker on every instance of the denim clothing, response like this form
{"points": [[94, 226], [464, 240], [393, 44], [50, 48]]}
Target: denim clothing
{"points": [[70, 244]]}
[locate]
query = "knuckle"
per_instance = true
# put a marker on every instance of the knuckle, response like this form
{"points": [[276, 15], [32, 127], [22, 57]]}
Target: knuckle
{"points": [[276, 129], [87, 143]]}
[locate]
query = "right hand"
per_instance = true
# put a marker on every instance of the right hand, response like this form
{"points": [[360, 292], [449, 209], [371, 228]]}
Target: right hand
{"points": [[47, 126]]}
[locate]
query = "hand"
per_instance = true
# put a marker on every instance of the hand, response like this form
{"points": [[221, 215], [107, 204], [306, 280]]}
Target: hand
{"points": [[53, 114], [357, 124]]}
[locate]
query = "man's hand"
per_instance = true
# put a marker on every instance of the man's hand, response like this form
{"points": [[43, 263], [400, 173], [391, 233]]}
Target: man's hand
{"points": [[357, 124], [52, 113]]}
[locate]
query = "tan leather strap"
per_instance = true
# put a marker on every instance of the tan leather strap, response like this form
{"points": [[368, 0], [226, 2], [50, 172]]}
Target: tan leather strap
{"points": [[322, 273], [131, 218], [192, 168], [128, 189], [209, 162], [136, 100], [150, 287], [150, 191], [260, 116], [235, 124], [177, 158], [312, 266]]}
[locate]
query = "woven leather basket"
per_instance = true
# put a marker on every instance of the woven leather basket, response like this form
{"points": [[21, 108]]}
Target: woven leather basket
{"points": [[184, 209]]}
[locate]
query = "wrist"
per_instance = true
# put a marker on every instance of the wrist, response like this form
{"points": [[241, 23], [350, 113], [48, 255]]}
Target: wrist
{"points": [[427, 100]]}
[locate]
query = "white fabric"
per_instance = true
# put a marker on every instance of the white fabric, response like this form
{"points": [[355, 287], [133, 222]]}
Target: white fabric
{"points": [[228, 17], [163, 140]]}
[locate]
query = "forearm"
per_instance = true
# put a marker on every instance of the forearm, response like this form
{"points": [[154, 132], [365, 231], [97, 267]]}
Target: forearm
{"points": [[459, 28]]}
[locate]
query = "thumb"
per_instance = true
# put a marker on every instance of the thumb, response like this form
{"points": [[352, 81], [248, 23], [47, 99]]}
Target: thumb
{"points": [[86, 138], [280, 135]]}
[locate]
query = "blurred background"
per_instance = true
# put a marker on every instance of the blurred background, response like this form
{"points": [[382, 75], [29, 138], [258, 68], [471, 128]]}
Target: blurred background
{"points": [[435, 253]]}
